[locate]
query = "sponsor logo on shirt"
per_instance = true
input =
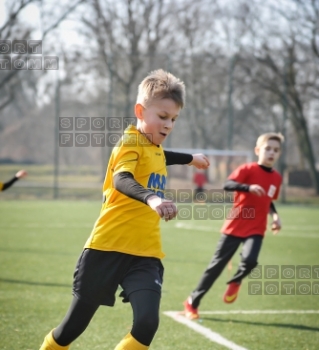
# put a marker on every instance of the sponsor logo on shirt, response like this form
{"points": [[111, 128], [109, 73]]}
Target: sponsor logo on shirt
{"points": [[156, 183], [271, 191]]}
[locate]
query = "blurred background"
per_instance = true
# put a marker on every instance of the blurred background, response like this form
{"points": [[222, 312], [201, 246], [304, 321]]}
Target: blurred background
{"points": [[250, 67]]}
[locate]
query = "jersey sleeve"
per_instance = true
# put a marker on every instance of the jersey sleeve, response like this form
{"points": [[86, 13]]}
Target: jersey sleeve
{"points": [[126, 162], [239, 174], [126, 155], [276, 195], [1, 186]]}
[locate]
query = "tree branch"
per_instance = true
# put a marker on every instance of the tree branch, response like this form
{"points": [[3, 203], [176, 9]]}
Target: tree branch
{"points": [[56, 24], [13, 15]]}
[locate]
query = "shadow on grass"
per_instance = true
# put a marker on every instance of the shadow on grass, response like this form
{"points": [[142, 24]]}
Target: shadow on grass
{"points": [[6, 280], [283, 325]]}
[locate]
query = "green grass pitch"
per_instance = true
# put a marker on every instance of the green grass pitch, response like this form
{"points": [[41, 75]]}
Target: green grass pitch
{"points": [[40, 244]]}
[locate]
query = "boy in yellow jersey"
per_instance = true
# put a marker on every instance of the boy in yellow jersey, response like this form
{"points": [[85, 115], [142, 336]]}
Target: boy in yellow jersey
{"points": [[5, 185], [124, 247]]}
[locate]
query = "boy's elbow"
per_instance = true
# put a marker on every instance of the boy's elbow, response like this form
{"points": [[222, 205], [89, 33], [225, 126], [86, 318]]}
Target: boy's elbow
{"points": [[116, 181], [228, 185]]}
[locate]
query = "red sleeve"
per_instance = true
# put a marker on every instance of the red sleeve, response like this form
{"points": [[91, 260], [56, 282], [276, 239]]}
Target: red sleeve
{"points": [[240, 174], [278, 187]]}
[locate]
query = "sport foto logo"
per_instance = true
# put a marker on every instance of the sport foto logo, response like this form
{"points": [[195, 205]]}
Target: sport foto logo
{"points": [[284, 280], [95, 131], [25, 55]]}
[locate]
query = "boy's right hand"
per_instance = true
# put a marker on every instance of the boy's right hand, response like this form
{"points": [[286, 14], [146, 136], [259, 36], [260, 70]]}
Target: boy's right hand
{"points": [[200, 161], [165, 209], [257, 190], [21, 173]]}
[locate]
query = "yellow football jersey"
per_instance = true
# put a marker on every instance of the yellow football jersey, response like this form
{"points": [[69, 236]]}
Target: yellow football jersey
{"points": [[126, 225], [1, 186]]}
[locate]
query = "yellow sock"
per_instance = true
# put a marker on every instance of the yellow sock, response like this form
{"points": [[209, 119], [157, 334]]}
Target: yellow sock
{"points": [[130, 343], [50, 344]]}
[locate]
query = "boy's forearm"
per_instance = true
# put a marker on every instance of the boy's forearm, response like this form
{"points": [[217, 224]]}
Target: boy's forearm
{"points": [[272, 209], [231, 185], [9, 183], [177, 158], [275, 216], [125, 183]]}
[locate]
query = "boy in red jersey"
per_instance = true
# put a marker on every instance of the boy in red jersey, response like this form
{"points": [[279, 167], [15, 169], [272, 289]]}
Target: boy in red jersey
{"points": [[199, 180], [256, 185]]}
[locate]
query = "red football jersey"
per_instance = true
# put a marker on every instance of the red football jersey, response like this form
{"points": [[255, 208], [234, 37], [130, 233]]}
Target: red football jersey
{"points": [[248, 215], [200, 179]]}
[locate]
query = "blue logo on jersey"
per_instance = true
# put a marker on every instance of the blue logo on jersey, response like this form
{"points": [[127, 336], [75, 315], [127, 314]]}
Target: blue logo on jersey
{"points": [[156, 183]]}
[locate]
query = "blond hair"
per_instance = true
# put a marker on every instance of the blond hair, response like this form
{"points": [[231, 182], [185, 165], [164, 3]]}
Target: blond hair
{"points": [[158, 85], [270, 136]]}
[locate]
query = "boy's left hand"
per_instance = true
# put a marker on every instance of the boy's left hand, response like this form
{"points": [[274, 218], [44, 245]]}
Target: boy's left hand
{"points": [[200, 161], [276, 226]]}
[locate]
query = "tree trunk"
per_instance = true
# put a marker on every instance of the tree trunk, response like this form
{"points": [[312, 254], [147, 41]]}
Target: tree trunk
{"points": [[305, 147]]}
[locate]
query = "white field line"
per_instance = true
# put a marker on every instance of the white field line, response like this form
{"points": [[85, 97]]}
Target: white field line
{"points": [[258, 312], [301, 229], [192, 227], [206, 332], [217, 338]]}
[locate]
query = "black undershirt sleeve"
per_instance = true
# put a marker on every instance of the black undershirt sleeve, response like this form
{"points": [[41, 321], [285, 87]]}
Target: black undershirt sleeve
{"points": [[9, 183], [272, 209], [125, 183], [231, 185], [177, 158]]}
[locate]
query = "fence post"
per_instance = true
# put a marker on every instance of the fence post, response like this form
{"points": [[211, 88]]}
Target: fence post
{"points": [[230, 112], [56, 139], [284, 133]]}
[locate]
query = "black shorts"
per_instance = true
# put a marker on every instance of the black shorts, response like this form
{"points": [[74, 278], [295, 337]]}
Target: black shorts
{"points": [[99, 273]]}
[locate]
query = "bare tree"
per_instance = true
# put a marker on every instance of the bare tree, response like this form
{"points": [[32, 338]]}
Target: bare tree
{"points": [[286, 68], [11, 80], [129, 33], [309, 10]]}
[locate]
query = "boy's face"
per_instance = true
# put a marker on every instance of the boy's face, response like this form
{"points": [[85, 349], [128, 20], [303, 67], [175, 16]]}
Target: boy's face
{"points": [[157, 120], [268, 153]]}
